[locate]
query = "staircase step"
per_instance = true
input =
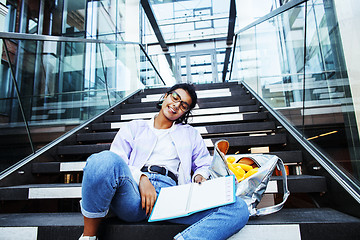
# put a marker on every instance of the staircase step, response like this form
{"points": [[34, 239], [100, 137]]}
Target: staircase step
{"points": [[96, 137], [238, 141], [200, 93], [297, 184], [250, 141], [295, 224], [59, 167], [41, 191], [215, 93], [202, 103], [209, 129], [289, 156], [102, 127], [219, 92], [236, 128], [82, 149], [230, 117], [203, 130], [196, 111], [239, 98], [197, 87], [253, 141]]}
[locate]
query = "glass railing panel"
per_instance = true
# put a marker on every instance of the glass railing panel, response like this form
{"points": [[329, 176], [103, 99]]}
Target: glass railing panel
{"points": [[269, 58], [300, 71], [328, 108], [62, 84], [14, 140], [155, 71], [148, 75], [280, 42], [245, 61]]}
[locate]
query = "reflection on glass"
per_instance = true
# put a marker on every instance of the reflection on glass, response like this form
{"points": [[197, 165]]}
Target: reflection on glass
{"points": [[191, 19], [63, 84], [311, 91]]}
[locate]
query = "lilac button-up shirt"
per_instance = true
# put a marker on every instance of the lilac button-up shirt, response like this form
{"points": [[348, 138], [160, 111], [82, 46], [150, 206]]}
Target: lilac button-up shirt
{"points": [[135, 142]]}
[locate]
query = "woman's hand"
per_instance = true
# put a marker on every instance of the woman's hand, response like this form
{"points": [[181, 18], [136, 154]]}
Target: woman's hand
{"points": [[148, 194], [198, 178]]}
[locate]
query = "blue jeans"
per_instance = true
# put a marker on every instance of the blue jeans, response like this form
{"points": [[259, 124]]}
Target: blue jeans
{"points": [[108, 183]]}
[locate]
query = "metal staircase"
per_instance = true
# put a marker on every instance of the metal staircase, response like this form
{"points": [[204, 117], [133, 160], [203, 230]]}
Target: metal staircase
{"points": [[40, 199]]}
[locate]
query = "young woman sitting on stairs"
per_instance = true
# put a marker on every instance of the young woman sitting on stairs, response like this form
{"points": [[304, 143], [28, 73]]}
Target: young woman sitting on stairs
{"points": [[147, 155]]}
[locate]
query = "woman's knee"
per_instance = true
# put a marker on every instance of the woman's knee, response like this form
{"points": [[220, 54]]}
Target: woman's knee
{"points": [[102, 164]]}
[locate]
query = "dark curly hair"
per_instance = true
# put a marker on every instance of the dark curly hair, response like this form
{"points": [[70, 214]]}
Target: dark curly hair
{"points": [[190, 89]]}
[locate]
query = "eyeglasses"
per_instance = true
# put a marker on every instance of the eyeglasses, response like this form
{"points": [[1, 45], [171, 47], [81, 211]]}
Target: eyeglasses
{"points": [[175, 97]]}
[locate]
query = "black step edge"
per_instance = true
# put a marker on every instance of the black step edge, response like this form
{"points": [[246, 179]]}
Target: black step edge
{"points": [[62, 226], [202, 104], [296, 184]]}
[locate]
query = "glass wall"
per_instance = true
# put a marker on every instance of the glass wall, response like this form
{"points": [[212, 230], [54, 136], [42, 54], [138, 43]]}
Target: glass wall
{"points": [[295, 62], [59, 83], [195, 32], [81, 18], [67, 83]]}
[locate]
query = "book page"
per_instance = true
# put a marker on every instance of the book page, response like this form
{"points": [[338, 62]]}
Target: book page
{"points": [[212, 193], [171, 202], [183, 200]]}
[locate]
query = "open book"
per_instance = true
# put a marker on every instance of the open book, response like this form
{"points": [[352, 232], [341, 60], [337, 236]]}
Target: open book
{"points": [[183, 200]]}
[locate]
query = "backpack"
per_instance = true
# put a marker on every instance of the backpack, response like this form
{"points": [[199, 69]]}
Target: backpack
{"points": [[252, 188]]}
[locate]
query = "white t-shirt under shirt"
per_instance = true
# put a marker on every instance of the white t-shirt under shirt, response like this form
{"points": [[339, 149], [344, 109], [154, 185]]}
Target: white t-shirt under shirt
{"points": [[164, 153]]}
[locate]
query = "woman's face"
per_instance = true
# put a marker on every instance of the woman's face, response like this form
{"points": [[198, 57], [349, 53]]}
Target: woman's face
{"points": [[176, 104]]}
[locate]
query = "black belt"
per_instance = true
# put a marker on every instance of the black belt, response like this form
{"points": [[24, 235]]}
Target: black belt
{"points": [[160, 170]]}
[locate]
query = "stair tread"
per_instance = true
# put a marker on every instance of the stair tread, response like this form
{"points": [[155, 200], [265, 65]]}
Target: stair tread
{"points": [[285, 216], [143, 112], [56, 167], [218, 128], [248, 108], [195, 113], [67, 185], [197, 87], [204, 130], [202, 103], [82, 149], [296, 184], [302, 224], [236, 97], [197, 120], [235, 141]]}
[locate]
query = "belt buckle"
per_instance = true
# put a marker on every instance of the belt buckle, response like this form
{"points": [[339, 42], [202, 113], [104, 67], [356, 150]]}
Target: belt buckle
{"points": [[149, 169]]}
